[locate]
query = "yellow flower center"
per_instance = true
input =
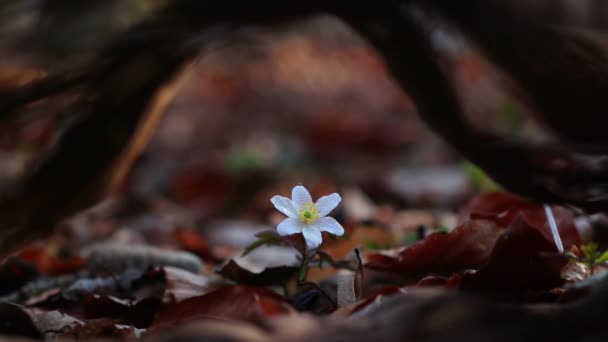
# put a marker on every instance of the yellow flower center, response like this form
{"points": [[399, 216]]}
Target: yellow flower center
{"points": [[308, 213]]}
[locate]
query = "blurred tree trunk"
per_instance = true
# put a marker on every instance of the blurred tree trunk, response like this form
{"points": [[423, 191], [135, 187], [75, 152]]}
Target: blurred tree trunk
{"points": [[564, 73]]}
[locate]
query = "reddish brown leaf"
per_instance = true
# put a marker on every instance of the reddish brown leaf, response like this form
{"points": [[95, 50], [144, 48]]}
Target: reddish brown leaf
{"points": [[229, 303], [191, 241], [503, 208], [468, 246], [523, 259], [51, 262]]}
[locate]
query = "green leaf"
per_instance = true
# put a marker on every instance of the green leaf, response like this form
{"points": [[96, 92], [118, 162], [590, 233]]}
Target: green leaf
{"points": [[372, 245], [267, 238], [571, 256], [410, 239], [480, 180], [323, 256], [302, 273], [243, 159], [442, 229], [511, 116], [268, 234], [590, 251], [602, 258]]}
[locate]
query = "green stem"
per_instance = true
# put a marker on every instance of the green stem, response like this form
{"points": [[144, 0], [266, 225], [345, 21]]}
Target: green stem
{"points": [[285, 289], [303, 271]]}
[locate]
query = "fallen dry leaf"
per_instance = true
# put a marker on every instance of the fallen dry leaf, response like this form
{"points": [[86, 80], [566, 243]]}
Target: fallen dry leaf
{"points": [[467, 246], [230, 303], [269, 276], [503, 208], [523, 259], [51, 262]]}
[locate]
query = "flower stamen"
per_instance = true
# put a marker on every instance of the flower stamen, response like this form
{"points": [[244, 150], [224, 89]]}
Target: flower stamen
{"points": [[308, 213]]}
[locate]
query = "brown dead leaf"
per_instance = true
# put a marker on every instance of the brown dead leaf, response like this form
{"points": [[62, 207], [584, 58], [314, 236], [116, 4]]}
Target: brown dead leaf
{"points": [[468, 246], [229, 303]]}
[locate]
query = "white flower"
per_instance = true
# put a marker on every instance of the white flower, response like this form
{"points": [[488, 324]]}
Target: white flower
{"points": [[306, 217]]}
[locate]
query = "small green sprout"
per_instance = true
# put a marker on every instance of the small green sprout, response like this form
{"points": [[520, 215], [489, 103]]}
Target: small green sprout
{"points": [[442, 229], [372, 245], [511, 116], [591, 256], [479, 179]]}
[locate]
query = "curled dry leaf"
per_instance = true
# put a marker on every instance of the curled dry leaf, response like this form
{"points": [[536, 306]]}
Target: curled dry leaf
{"points": [[504, 207], [53, 322], [181, 284], [470, 245], [171, 285], [230, 303], [523, 259], [269, 265], [33, 323], [467, 246], [268, 276]]}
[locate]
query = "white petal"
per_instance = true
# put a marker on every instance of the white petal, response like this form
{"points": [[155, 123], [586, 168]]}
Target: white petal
{"points": [[330, 225], [284, 205], [312, 236], [328, 203], [289, 226], [300, 196]]}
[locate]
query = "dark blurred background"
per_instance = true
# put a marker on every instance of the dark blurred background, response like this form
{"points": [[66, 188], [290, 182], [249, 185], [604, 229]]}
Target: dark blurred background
{"points": [[268, 108]]}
